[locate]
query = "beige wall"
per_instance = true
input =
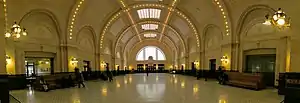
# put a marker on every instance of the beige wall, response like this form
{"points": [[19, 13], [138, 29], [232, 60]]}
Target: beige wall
{"points": [[48, 29]]}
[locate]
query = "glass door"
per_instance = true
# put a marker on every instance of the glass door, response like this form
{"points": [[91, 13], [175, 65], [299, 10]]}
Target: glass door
{"points": [[30, 69]]}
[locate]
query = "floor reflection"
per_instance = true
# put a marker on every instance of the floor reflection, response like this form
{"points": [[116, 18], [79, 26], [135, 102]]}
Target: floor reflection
{"points": [[151, 92], [155, 88]]}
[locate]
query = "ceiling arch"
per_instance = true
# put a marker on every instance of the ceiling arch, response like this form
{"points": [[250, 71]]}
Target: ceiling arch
{"points": [[245, 18], [120, 36], [172, 43], [50, 15], [91, 35], [192, 26]]}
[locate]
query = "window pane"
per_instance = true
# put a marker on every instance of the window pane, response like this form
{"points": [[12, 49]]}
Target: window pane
{"points": [[149, 13], [160, 55], [140, 55], [150, 51], [153, 51]]}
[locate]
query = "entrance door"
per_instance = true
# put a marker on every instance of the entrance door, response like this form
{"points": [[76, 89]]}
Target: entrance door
{"points": [[212, 64], [86, 66], [30, 69]]}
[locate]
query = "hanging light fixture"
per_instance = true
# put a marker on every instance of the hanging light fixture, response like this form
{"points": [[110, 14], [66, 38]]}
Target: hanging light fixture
{"points": [[16, 31], [279, 19]]}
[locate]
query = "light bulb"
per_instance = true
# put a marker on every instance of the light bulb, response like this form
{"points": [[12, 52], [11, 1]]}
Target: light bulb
{"points": [[24, 33], [275, 17], [267, 22], [15, 30], [7, 34], [281, 22], [18, 35], [19, 30]]}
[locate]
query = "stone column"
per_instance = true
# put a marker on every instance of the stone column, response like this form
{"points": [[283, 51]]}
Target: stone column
{"points": [[186, 59], [2, 55], [122, 66], [202, 60], [234, 56], [63, 58], [113, 63], [97, 62]]}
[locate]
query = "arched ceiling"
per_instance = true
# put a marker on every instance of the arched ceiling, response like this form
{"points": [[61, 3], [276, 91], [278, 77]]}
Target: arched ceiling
{"points": [[123, 21], [178, 19]]}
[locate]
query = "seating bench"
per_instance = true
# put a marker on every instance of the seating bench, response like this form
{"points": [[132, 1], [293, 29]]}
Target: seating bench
{"points": [[50, 82], [246, 80]]}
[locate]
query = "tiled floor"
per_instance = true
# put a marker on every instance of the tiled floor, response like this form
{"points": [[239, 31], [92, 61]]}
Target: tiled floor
{"points": [[157, 88]]}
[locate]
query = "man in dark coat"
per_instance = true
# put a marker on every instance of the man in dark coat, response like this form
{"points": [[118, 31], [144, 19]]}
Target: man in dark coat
{"points": [[109, 74], [79, 78]]}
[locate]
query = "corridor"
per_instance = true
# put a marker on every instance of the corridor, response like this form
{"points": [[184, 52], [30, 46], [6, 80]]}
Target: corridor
{"points": [[156, 88]]}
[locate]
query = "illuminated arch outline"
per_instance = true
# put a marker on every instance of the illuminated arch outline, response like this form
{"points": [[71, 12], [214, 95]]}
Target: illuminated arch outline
{"points": [[143, 54]]}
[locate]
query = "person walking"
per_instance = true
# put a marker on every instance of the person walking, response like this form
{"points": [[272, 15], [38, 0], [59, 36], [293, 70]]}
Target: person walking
{"points": [[79, 78], [109, 74], [147, 70]]}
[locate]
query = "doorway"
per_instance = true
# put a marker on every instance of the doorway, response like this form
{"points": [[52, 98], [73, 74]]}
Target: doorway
{"points": [[193, 66], [264, 64], [212, 64], [86, 65]]}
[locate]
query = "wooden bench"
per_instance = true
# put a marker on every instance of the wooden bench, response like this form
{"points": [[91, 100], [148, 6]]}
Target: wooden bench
{"points": [[50, 82], [246, 80]]}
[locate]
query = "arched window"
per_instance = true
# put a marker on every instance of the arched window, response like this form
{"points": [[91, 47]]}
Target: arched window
{"points": [[153, 51]]}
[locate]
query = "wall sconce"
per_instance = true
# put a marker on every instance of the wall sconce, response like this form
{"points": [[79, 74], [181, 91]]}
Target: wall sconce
{"points": [[116, 66], [103, 64], [197, 63], [8, 59], [224, 59], [278, 19], [74, 61]]}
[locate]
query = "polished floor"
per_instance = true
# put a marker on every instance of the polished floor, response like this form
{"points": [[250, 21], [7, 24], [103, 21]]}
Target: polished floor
{"points": [[156, 88]]}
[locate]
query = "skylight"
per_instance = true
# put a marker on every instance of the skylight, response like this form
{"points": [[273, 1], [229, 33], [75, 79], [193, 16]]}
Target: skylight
{"points": [[150, 35], [149, 13], [149, 26]]}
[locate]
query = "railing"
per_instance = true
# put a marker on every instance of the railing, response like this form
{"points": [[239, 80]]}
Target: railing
{"points": [[12, 99]]}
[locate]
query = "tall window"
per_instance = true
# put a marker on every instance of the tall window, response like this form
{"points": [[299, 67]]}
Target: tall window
{"points": [[153, 51]]}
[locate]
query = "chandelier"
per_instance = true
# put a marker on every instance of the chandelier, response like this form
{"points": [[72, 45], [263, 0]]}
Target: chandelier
{"points": [[279, 19], [16, 31]]}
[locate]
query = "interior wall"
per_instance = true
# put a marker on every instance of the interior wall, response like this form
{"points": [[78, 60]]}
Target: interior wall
{"points": [[119, 58], [212, 46], [257, 36], [193, 52], [106, 54], [43, 36], [86, 46]]}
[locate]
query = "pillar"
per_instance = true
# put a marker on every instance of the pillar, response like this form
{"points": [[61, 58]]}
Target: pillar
{"points": [[97, 62], [2, 55], [186, 60]]}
